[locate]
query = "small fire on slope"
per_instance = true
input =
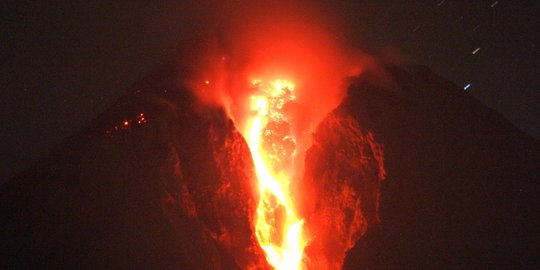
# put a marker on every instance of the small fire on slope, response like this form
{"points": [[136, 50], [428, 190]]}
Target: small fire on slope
{"points": [[279, 229]]}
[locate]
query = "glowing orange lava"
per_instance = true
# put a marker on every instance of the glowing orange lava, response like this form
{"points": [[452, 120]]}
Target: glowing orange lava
{"points": [[278, 228]]}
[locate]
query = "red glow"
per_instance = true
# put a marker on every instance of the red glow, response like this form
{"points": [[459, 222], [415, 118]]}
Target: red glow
{"points": [[293, 44]]}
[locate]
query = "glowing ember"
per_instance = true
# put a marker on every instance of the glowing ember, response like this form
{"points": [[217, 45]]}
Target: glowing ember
{"points": [[278, 228]]}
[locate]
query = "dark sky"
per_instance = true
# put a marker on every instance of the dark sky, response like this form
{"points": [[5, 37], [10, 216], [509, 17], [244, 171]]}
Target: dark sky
{"points": [[64, 62]]}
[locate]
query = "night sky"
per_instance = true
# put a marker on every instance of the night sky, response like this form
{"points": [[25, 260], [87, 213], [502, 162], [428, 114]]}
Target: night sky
{"points": [[64, 62]]}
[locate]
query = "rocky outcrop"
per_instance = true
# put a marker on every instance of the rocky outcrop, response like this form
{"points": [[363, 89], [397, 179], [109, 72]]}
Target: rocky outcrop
{"points": [[344, 167]]}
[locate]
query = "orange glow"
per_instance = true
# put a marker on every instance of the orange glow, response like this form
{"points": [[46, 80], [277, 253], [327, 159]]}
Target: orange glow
{"points": [[277, 75], [278, 228]]}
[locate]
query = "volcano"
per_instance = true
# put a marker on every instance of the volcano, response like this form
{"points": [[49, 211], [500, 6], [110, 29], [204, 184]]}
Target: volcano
{"points": [[408, 172]]}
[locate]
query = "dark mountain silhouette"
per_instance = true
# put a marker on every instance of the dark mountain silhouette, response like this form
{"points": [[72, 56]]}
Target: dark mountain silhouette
{"points": [[161, 181], [462, 183]]}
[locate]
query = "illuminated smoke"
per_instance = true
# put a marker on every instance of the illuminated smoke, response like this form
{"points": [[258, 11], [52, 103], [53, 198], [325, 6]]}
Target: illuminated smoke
{"points": [[242, 53]]}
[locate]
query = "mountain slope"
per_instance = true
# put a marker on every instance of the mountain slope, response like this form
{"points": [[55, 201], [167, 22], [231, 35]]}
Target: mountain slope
{"points": [[462, 182], [156, 182]]}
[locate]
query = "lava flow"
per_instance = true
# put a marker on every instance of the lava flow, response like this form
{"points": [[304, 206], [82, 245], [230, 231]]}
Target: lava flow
{"points": [[279, 230]]}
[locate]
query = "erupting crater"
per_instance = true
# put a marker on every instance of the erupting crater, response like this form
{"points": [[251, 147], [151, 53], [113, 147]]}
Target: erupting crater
{"points": [[315, 178]]}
